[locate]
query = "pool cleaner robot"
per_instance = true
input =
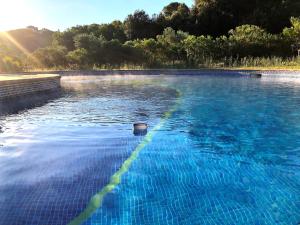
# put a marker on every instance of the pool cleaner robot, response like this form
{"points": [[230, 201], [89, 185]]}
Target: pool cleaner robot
{"points": [[140, 129]]}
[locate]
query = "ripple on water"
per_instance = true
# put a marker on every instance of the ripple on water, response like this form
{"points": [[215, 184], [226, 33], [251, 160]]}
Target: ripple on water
{"points": [[229, 154]]}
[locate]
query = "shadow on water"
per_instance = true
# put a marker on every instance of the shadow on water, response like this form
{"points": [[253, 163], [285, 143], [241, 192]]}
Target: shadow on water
{"points": [[14, 105]]}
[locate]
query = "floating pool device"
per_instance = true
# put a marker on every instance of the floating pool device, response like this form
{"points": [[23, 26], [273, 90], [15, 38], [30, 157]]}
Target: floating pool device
{"points": [[255, 75], [140, 129]]}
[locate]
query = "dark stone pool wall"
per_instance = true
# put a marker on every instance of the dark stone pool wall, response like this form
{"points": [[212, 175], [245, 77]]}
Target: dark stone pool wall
{"points": [[172, 72], [21, 87], [26, 86], [143, 72]]}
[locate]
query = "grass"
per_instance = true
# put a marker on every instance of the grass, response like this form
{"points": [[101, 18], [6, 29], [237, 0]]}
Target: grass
{"points": [[262, 63], [229, 63], [265, 68]]}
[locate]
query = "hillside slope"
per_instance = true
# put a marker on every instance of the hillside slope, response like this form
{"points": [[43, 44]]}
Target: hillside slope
{"points": [[29, 38]]}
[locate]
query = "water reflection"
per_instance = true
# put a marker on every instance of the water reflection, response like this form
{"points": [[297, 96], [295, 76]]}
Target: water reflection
{"points": [[229, 155], [54, 157], [256, 119], [230, 152]]}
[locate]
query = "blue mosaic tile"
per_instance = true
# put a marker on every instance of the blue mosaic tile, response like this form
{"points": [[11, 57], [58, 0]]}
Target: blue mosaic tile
{"points": [[229, 154]]}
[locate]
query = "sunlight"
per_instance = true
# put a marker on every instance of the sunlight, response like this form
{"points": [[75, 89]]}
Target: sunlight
{"points": [[16, 14], [11, 154], [20, 47]]}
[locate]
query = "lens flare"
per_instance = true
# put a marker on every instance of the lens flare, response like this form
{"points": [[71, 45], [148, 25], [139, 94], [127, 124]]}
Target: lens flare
{"points": [[13, 41]]}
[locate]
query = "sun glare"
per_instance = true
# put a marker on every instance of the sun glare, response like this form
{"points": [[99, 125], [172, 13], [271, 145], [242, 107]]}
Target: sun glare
{"points": [[16, 14]]}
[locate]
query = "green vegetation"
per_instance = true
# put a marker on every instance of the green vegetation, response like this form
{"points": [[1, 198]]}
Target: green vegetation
{"points": [[17, 45], [213, 33]]}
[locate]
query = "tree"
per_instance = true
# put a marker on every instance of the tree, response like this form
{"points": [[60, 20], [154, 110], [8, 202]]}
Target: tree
{"points": [[198, 48], [78, 58], [65, 39], [133, 55], [216, 17], [87, 41], [152, 51], [139, 26], [211, 18], [177, 16], [113, 53], [10, 64], [93, 46], [50, 57], [171, 42], [293, 33], [114, 30], [249, 40]]}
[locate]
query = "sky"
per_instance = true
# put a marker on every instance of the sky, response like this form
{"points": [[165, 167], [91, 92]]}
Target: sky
{"points": [[61, 14]]}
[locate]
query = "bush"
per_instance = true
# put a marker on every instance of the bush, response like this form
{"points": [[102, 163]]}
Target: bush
{"points": [[50, 57], [249, 40], [10, 64]]}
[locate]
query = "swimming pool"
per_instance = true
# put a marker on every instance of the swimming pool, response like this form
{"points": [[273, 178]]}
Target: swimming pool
{"points": [[221, 149]]}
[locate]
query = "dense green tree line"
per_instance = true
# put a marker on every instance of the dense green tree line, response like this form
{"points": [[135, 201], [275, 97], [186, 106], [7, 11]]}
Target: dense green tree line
{"points": [[90, 49], [221, 15], [219, 31]]}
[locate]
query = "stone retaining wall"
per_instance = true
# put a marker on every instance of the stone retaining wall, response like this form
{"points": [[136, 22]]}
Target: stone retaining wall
{"points": [[142, 72], [25, 86], [169, 72]]}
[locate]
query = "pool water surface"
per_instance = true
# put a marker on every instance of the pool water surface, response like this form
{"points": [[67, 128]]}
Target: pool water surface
{"points": [[221, 149]]}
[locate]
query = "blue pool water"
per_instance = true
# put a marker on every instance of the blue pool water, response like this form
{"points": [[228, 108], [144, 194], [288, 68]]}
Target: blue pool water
{"points": [[228, 152]]}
